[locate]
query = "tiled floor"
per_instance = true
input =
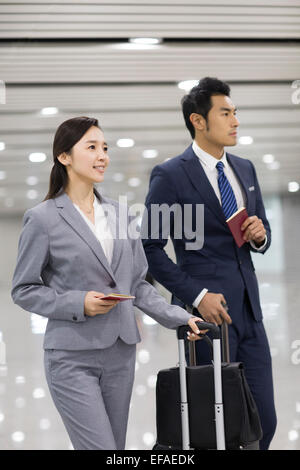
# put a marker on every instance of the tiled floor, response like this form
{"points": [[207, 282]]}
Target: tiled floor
{"points": [[28, 418]]}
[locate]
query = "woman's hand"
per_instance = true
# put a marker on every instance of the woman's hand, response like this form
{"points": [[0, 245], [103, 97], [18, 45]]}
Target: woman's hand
{"points": [[93, 305], [195, 335]]}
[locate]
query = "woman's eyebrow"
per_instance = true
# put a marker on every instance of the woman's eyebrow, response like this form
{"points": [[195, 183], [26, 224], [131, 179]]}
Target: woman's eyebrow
{"points": [[94, 142]]}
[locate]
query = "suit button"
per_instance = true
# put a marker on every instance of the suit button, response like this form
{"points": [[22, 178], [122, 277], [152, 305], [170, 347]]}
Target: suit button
{"points": [[112, 284], [74, 318]]}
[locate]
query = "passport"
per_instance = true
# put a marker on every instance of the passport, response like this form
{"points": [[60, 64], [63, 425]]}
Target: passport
{"points": [[114, 296], [235, 222]]}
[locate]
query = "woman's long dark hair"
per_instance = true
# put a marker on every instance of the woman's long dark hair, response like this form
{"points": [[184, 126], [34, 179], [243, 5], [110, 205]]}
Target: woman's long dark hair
{"points": [[66, 136]]}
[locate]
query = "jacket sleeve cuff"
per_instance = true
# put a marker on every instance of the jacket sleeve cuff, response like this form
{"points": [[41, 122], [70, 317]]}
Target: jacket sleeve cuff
{"points": [[259, 248]]}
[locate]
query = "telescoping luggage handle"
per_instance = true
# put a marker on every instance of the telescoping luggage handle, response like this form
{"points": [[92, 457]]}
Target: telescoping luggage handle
{"points": [[219, 414]]}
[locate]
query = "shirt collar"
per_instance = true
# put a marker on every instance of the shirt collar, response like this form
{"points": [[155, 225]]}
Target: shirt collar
{"points": [[208, 160]]}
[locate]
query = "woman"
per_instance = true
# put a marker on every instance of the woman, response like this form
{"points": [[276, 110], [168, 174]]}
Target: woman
{"points": [[70, 256]]}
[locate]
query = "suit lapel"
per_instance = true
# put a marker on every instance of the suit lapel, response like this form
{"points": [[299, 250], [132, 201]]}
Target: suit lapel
{"points": [[74, 219], [196, 174]]}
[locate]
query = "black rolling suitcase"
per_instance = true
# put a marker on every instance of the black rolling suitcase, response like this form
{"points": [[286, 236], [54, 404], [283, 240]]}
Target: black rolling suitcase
{"points": [[206, 407]]}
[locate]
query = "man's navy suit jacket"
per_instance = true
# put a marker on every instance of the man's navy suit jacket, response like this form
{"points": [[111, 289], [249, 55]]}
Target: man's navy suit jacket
{"points": [[220, 266]]}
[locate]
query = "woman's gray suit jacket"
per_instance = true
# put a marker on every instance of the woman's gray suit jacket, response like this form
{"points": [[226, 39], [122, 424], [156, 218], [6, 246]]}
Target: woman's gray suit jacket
{"points": [[60, 260]]}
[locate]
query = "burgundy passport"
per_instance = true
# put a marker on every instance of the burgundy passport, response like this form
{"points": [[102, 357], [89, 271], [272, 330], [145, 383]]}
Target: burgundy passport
{"points": [[235, 222]]}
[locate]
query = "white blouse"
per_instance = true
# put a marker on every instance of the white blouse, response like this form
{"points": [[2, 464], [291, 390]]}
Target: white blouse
{"points": [[101, 228]]}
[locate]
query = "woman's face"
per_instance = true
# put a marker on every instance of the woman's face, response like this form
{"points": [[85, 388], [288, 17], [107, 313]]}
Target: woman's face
{"points": [[89, 158]]}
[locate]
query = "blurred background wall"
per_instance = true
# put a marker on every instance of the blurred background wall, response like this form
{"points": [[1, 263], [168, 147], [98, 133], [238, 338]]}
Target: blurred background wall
{"points": [[128, 64]]}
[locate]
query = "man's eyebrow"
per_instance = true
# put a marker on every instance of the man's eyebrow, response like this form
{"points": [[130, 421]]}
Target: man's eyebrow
{"points": [[94, 142], [228, 109]]}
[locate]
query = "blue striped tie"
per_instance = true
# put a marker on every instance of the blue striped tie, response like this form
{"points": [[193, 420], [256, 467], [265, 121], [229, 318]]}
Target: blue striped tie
{"points": [[229, 204]]}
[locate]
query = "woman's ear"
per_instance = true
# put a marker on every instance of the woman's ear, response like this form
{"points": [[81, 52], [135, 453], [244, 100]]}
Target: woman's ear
{"points": [[64, 159]]}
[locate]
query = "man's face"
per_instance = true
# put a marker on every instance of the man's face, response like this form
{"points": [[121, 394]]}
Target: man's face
{"points": [[222, 123]]}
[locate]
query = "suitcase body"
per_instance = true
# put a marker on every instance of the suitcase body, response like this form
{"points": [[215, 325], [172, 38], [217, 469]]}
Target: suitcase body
{"points": [[190, 408]]}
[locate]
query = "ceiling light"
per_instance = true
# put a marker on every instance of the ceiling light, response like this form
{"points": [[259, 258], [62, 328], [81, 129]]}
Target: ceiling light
{"points": [[143, 356], [274, 165], [45, 424], [38, 392], [134, 182], [150, 153], [9, 202], [50, 111], [146, 41], [18, 436], [245, 140], [32, 180], [38, 324], [293, 435], [130, 195], [2, 146], [32, 194], [118, 177], [293, 186], [37, 157], [148, 320], [268, 158], [2, 175], [148, 438], [125, 143], [20, 379], [187, 85]]}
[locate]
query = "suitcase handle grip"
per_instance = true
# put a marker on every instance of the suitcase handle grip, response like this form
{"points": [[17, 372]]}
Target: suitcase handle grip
{"points": [[202, 325]]}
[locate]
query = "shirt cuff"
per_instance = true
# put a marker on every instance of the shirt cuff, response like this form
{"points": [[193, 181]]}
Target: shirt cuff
{"points": [[259, 248], [199, 298]]}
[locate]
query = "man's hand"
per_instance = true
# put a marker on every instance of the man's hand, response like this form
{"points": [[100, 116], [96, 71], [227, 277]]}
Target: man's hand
{"points": [[254, 230], [212, 310]]}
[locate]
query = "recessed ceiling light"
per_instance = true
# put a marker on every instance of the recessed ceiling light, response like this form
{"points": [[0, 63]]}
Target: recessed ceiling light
{"points": [[2, 146], [293, 186], [2, 175], [50, 111], [9, 202], [274, 165], [246, 140], [32, 180], [118, 177], [38, 392], [37, 157], [187, 85], [268, 158], [18, 436], [32, 194], [125, 143], [150, 153], [146, 41], [134, 182]]}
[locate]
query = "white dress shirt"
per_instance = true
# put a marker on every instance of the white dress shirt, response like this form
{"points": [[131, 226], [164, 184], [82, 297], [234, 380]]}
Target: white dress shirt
{"points": [[101, 228], [209, 163]]}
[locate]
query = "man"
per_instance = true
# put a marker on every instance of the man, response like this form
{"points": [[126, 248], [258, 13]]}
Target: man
{"points": [[215, 275]]}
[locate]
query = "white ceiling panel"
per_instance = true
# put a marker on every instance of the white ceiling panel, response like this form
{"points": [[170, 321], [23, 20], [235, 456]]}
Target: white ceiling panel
{"points": [[167, 18], [75, 55]]}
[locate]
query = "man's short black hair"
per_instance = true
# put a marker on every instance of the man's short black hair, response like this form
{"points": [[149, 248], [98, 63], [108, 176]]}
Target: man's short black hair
{"points": [[198, 100]]}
